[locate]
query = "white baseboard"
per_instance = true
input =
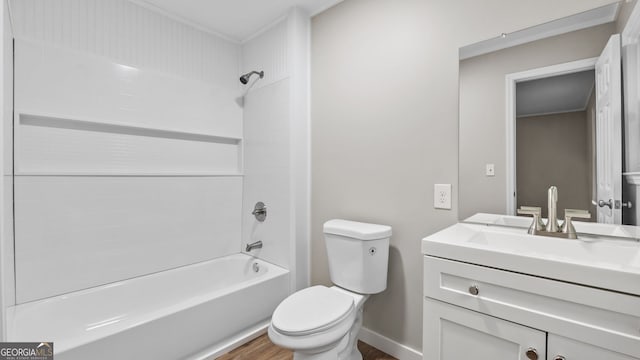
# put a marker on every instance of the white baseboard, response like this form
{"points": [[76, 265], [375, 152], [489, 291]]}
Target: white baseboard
{"points": [[389, 346]]}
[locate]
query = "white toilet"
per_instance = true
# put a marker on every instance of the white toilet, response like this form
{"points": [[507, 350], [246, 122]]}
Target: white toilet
{"points": [[322, 323]]}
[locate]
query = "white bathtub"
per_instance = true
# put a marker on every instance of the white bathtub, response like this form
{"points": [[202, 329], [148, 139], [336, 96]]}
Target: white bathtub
{"points": [[190, 312]]}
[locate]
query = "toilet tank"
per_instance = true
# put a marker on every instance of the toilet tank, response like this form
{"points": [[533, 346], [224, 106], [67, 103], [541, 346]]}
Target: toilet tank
{"points": [[358, 255]]}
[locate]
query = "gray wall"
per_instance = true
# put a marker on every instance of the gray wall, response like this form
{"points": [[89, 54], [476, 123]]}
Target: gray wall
{"points": [[384, 109], [553, 150], [482, 110]]}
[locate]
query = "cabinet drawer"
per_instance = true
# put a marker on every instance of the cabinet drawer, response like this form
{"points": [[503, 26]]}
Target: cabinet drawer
{"points": [[604, 318]]}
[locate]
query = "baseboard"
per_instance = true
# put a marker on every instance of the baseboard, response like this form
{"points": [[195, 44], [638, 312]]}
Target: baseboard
{"points": [[389, 346], [233, 342]]}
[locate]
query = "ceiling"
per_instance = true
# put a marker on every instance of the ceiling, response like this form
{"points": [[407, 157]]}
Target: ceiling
{"points": [[235, 19], [558, 94]]}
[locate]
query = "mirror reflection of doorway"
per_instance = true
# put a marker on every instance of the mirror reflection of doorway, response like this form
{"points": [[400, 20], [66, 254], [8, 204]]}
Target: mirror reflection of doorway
{"points": [[605, 196], [555, 141]]}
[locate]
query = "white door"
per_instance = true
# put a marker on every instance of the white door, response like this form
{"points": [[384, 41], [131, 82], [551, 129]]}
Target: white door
{"points": [[609, 133], [561, 348], [454, 333]]}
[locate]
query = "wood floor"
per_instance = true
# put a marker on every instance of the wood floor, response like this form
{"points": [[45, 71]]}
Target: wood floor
{"points": [[262, 349]]}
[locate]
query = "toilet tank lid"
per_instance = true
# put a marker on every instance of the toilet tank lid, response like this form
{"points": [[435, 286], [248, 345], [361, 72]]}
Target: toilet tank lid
{"points": [[357, 230]]}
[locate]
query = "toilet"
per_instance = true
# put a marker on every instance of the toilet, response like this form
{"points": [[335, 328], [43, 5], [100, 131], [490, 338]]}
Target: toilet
{"points": [[322, 323]]}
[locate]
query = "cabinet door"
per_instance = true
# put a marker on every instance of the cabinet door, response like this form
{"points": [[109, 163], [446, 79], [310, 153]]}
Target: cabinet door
{"points": [[561, 348], [454, 333]]}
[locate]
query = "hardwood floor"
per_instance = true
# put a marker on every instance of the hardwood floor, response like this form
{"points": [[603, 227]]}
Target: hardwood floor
{"points": [[262, 349]]}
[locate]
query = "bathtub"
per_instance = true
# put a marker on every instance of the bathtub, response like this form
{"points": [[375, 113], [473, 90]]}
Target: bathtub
{"points": [[192, 312]]}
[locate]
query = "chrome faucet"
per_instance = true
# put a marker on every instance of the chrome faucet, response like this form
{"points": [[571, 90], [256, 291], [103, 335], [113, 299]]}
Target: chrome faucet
{"points": [[552, 203], [552, 227], [255, 245]]}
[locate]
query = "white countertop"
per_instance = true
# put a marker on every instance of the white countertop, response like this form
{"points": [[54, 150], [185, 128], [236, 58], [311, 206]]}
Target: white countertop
{"points": [[600, 261]]}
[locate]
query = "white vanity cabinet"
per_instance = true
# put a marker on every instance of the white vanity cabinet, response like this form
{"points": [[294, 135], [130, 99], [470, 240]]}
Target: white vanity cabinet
{"points": [[483, 313], [453, 333]]}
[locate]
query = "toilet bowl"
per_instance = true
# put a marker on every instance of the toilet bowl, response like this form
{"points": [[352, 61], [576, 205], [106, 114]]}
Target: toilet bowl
{"points": [[322, 323]]}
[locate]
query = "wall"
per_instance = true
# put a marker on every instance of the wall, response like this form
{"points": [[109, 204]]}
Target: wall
{"points": [[482, 110], [385, 127], [276, 136], [128, 145], [7, 284], [553, 150]]}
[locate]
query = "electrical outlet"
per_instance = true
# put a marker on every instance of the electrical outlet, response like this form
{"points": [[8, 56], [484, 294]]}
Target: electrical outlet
{"points": [[442, 196], [491, 170]]}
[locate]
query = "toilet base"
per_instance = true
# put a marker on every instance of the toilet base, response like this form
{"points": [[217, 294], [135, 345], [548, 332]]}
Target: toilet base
{"points": [[350, 351], [325, 355], [346, 349]]}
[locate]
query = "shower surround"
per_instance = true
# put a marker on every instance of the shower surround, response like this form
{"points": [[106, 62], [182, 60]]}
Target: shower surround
{"points": [[138, 152]]}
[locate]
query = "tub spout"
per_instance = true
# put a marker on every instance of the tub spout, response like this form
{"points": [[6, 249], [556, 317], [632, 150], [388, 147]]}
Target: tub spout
{"points": [[255, 245]]}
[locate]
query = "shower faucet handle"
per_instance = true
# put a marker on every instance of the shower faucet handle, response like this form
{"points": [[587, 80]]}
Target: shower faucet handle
{"points": [[260, 211]]}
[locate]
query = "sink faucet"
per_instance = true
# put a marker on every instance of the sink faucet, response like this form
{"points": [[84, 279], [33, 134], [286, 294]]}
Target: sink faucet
{"points": [[255, 245], [552, 203], [553, 228]]}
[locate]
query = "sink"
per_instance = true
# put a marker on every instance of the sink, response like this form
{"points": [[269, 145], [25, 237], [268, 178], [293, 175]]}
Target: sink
{"points": [[600, 261]]}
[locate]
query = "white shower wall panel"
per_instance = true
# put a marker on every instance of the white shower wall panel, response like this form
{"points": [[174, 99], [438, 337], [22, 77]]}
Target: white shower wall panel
{"points": [[268, 51], [79, 232], [130, 34], [128, 141], [58, 146], [267, 145], [67, 83], [267, 171]]}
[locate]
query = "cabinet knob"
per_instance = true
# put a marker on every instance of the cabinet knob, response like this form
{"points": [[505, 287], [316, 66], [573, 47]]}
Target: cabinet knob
{"points": [[473, 290], [532, 354], [559, 357]]}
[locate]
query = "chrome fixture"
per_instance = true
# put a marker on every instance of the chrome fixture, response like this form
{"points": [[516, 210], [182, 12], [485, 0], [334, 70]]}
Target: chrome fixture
{"points": [[537, 225], [532, 354], [256, 267], [567, 226], [610, 204], [260, 211], [255, 245], [552, 227], [552, 214], [473, 290], [244, 79], [602, 203]]}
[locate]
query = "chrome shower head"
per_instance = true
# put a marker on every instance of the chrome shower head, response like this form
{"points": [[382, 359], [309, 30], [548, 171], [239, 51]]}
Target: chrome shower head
{"points": [[245, 78]]}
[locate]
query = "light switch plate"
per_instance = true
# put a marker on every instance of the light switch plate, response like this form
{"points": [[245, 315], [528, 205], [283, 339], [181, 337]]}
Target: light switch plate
{"points": [[442, 196]]}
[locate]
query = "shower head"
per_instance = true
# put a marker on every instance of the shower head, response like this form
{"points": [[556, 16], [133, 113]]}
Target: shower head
{"points": [[245, 78]]}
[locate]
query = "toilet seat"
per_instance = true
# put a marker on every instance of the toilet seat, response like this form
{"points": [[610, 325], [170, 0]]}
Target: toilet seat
{"points": [[312, 310]]}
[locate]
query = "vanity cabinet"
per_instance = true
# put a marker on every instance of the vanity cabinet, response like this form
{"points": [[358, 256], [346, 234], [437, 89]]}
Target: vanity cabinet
{"points": [[479, 312], [454, 333]]}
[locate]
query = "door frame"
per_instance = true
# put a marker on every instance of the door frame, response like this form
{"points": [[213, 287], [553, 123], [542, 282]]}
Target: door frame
{"points": [[510, 85]]}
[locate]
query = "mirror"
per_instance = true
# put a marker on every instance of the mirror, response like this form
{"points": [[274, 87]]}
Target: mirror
{"points": [[526, 119]]}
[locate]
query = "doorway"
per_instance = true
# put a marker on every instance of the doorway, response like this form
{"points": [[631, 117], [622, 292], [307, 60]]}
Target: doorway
{"points": [[555, 141]]}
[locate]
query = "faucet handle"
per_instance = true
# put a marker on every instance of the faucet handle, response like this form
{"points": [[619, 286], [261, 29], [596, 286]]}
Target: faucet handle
{"points": [[536, 212], [567, 226]]}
